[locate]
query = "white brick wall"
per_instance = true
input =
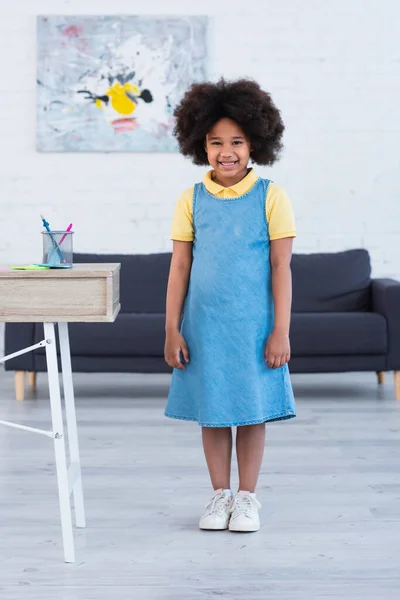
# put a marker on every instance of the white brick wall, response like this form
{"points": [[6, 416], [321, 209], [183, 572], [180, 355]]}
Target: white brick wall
{"points": [[333, 69]]}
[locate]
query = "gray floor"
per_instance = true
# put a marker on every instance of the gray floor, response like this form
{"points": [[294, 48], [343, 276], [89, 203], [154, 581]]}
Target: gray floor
{"points": [[330, 488]]}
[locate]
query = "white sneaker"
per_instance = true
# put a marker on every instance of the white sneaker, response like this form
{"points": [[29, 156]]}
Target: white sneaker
{"points": [[245, 515], [217, 513]]}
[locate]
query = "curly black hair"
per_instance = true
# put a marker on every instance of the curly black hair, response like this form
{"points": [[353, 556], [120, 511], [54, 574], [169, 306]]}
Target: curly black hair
{"points": [[244, 102]]}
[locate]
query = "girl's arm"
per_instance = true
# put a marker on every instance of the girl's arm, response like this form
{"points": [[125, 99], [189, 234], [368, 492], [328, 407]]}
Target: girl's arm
{"points": [[178, 282], [277, 352]]}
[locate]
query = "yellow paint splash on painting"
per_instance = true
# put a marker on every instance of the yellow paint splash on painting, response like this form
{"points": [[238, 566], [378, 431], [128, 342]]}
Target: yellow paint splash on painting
{"points": [[120, 102]]}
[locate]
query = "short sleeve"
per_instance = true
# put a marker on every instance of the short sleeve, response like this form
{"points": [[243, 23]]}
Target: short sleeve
{"points": [[279, 211], [182, 224]]}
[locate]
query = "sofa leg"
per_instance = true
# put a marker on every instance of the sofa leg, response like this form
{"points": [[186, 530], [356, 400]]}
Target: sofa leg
{"points": [[397, 384], [381, 377], [19, 379], [32, 381]]}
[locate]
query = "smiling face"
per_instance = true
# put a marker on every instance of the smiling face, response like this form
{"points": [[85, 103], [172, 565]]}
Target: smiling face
{"points": [[228, 152]]}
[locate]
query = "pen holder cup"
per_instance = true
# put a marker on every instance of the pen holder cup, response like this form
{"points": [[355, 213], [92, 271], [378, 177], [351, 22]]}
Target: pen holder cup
{"points": [[58, 248]]}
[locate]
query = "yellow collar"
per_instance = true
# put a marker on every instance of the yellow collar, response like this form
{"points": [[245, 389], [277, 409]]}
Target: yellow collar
{"points": [[239, 189]]}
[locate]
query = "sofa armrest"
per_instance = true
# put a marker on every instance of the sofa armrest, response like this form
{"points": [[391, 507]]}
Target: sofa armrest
{"points": [[18, 336], [386, 301]]}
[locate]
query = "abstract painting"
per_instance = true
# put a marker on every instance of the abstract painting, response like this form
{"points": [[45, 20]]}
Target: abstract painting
{"points": [[111, 83]]}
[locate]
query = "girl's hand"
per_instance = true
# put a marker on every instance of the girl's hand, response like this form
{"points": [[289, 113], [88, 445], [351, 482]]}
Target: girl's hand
{"points": [[174, 345], [277, 350]]}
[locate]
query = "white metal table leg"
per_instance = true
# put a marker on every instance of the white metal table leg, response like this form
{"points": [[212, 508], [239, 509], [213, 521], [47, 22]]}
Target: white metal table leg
{"points": [[75, 468], [59, 443]]}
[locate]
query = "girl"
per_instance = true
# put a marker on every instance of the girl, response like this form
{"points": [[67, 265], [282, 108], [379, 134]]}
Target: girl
{"points": [[230, 274]]}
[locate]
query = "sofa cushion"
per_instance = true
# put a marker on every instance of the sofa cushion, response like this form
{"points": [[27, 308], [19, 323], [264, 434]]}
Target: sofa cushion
{"points": [[144, 279], [129, 335], [331, 282], [313, 334]]}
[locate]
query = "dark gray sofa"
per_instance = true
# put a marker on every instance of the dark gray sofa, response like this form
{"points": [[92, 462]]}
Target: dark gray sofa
{"points": [[342, 320]]}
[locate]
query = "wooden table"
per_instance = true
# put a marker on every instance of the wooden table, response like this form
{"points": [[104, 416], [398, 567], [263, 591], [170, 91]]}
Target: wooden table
{"points": [[85, 293]]}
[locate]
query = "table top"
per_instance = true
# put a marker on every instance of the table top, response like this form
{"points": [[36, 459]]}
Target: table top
{"points": [[80, 270]]}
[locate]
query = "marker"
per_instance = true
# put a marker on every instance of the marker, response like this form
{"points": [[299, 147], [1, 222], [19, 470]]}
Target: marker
{"points": [[47, 227]]}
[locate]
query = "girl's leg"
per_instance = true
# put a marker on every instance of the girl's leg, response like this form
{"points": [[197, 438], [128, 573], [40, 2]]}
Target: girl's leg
{"points": [[217, 444], [250, 443]]}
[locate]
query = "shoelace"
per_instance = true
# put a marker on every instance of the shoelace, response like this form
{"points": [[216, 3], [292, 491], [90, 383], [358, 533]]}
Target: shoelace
{"points": [[218, 504], [243, 505]]}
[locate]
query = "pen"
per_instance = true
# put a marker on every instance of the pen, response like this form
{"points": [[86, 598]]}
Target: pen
{"points": [[65, 234], [47, 227], [61, 241]]}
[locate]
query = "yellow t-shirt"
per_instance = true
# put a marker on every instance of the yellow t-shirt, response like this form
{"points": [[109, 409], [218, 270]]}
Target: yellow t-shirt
{"points": [[278, 209]]}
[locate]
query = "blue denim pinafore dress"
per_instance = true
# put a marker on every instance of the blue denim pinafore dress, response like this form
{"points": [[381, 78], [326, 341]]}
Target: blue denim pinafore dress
{"points": [[228, 316]]}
